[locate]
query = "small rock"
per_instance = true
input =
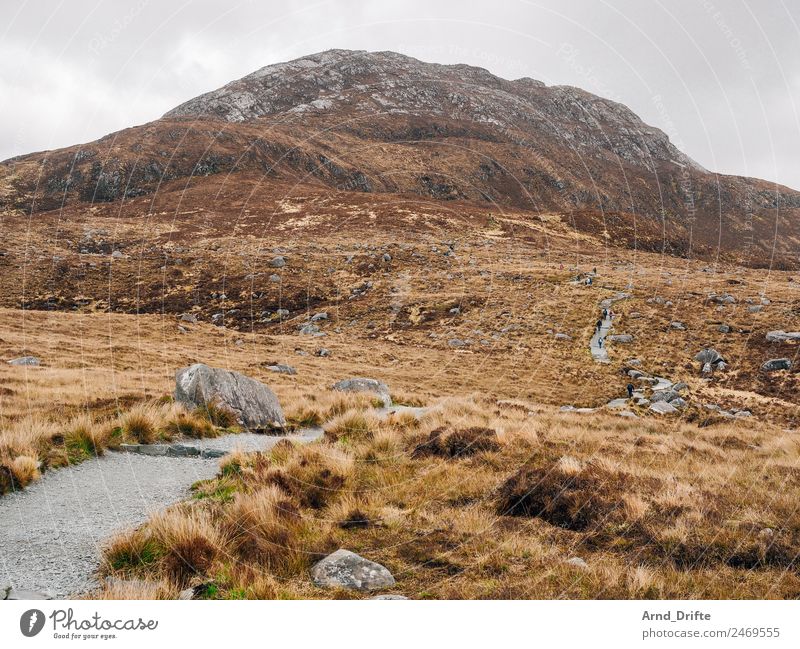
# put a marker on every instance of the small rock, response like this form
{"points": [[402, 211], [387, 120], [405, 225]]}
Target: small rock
{"points": [[781, 336], [28, 361], [319, 316], [457, 342], [282, 369], [678, 325], [278, 262], [275, 279], [361, 384], [577, 561], [776, 364], [117, 254], [345, 569], [561, 336], [189, 317], [282, 313], [724, 329], [621, 338]]}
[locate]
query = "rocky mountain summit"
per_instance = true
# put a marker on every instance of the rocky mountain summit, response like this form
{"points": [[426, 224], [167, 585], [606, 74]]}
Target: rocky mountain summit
{"points": [[387, 83], [385, 123]]}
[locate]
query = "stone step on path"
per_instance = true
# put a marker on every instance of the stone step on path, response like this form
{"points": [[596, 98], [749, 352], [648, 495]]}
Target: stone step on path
{"points": [[52, 532]]}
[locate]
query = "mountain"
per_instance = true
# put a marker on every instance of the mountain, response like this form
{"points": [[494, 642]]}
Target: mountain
{"points": [[383, 122]]}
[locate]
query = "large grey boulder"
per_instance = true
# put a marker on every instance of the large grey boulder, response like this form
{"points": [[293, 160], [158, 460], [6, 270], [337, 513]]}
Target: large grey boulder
{"points": [[345, 569], [781, 336], [775, 364], [664, 395], [29, 361], [255, 406], [709, 355], [360, 384]]}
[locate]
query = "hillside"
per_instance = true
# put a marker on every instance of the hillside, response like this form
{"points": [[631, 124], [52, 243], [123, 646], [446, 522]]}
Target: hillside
{"points": [[384, 123]]}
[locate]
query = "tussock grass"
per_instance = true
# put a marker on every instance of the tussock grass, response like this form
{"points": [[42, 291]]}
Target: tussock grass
{"points": [[498, 511]]}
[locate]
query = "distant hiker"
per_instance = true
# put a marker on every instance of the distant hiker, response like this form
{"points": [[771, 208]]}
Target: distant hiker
{"points": [[600, 343], [605, 313], [599, 325], [629, 387]]}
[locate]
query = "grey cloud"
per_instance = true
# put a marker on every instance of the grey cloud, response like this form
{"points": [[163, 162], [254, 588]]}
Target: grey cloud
{"points": [[722, 77]]}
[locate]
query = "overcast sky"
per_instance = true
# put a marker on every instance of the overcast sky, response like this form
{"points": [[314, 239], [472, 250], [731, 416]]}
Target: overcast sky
{"points": [[721, 77]]}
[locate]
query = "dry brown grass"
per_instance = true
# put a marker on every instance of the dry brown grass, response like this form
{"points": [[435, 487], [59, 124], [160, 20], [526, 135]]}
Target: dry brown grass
{"points": [[654, 508]]}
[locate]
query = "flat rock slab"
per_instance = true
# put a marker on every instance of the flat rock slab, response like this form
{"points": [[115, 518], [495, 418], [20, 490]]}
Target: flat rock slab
{"points": [[25, 361], [345, 569], [663, 408]]}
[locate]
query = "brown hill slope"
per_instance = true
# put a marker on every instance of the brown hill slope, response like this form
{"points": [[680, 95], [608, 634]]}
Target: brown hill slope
{"points": [[387, 123]]}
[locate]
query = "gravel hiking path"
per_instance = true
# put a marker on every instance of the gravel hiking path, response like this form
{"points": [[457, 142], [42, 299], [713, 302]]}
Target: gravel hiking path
{"points": [[600, 354], [52, 532]]}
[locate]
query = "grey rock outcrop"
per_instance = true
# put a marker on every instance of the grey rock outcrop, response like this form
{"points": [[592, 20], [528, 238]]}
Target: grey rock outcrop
{"points": [[255, 406], [345, 569]]}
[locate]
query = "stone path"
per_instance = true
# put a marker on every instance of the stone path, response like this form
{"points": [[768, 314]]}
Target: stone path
{"points": [[600, 354], [52, 532]]}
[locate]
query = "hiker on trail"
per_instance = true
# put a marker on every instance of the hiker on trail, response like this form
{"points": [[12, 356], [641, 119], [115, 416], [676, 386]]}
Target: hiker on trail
{"points": [[588, 281], [629, 387], [600, 343], [605, 313], [599, 325]]}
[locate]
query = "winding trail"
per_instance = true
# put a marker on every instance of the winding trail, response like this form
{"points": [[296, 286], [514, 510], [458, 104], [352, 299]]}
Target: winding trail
{"points": [[51, 533], [600, 354]]}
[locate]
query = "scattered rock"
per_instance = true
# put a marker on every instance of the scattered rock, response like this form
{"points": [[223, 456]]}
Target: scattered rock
{"points": [[561, 336], [577, 561], [319, 316], [255, 406], [322, 352], [781, 336], [664, 395], [28, 361], [360, 384], [310, 330], [724, 329], [275, 279], [282, 313], [117, 254], [663, 408], [278, 262], [709, 356], [189, 317], [282, 369], [775, 364], [457, 342], [345, 569], [678, 325], [621, 338]]}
